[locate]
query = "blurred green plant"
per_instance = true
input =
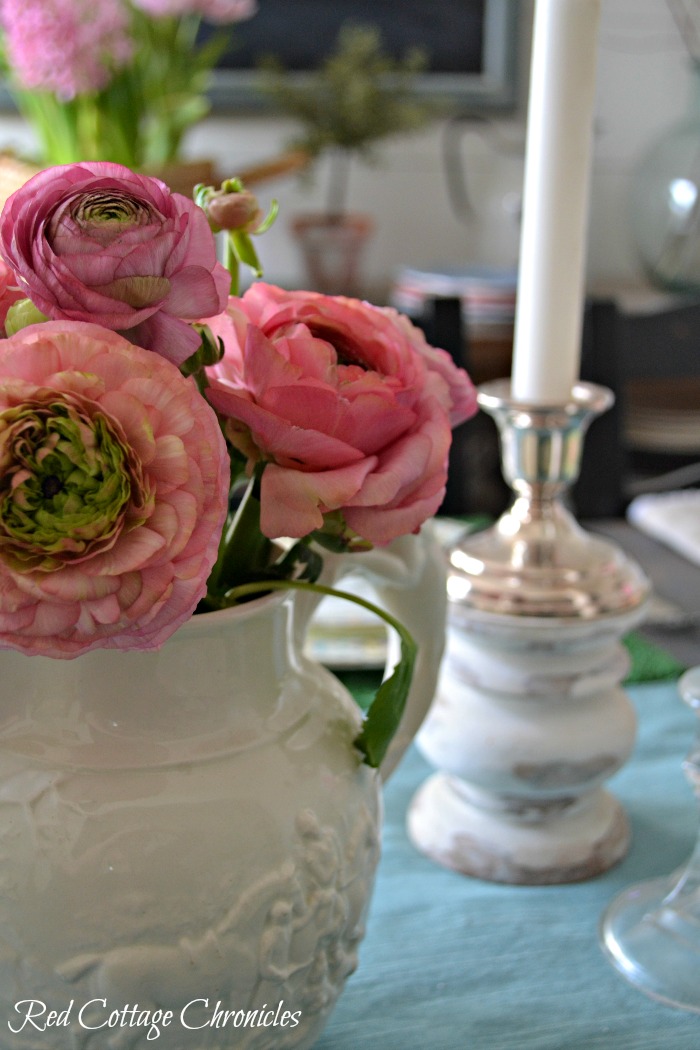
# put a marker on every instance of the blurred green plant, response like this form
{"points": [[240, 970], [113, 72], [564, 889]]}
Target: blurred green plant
{"points": [[358, 96], [132, 77]]}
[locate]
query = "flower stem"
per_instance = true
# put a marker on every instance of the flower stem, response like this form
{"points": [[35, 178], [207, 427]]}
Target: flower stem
{"points": [[231, 263], [243, 550]]}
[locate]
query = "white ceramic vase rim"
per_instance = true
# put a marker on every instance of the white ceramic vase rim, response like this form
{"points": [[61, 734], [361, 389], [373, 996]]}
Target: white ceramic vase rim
{"points": [[234, 613]]}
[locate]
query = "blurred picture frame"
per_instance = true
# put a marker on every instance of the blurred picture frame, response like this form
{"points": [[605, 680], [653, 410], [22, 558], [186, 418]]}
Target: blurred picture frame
{"points": [[471, 47]]}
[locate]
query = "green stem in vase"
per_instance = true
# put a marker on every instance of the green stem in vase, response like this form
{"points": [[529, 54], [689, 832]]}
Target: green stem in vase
{"points": [[55, 125], [244, 552], [87, 125]]}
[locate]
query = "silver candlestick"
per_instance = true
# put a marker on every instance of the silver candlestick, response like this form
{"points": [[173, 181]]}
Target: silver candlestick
{"points": [[529, 718]]}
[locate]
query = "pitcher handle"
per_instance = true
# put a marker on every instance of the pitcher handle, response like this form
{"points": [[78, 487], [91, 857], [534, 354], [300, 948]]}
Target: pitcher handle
{"points": [[409, 576]]}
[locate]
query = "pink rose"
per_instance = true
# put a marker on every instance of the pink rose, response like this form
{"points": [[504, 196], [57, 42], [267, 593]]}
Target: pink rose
{"points": [[113, 492], [95, 242], [348, 405], [10, 292]]}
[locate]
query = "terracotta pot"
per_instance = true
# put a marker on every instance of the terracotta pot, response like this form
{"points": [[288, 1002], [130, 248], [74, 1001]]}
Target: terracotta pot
{"points": [[332, 248]]}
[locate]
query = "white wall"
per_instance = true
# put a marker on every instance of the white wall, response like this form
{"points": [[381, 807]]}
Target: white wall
{"points": [[643, 82]]}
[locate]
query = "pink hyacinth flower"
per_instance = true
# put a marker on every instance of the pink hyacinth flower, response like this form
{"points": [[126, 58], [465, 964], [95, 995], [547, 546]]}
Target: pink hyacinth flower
{"points": [[68, 47], [223, 12]]}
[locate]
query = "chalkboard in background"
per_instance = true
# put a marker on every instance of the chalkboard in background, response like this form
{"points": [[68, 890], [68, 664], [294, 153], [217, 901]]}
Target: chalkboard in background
{"points": [[470, 45], [302, 32]]}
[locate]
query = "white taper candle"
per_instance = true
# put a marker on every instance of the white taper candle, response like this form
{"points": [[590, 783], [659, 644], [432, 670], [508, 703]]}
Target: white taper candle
{"points": [[551, 279]]}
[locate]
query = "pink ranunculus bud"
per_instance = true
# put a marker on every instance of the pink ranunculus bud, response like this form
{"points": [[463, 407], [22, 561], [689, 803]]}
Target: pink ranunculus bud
{"points": [[234, 211], [347, 404], [113, 492], [96, 242]]}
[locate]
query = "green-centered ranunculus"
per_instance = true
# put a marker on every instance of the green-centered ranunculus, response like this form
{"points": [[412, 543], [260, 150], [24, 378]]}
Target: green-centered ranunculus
{"points": [[66, 481], [114, 480]]}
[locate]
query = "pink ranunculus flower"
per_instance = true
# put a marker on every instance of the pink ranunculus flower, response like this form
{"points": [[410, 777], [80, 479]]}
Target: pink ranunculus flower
{"points": [[347, 403], [96, 242], [10, 292], [113, 492]]}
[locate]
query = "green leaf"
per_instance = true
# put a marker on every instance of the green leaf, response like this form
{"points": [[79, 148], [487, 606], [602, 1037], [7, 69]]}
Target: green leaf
{"points": [[267, 222], [385, 711]]}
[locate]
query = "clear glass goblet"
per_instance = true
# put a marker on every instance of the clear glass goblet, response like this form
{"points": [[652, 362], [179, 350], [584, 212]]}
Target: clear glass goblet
{"points": [[651, 931]]}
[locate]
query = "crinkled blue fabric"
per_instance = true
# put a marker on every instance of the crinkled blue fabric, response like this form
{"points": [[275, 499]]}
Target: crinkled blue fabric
{"points": [[453, 963]]}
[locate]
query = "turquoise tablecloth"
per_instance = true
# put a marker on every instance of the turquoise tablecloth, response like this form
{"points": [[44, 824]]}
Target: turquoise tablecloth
{"points": [[451, 963]]}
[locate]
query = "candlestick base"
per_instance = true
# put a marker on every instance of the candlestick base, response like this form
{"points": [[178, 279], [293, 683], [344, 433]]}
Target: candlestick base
{"points": [[529, 719]]}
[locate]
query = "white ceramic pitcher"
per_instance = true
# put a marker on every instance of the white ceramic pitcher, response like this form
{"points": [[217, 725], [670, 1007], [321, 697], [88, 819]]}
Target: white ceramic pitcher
{"points": [[188, 838]]}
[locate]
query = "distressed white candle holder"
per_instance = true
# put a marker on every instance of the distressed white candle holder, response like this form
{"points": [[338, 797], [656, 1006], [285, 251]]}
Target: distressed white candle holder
{"points": [[529, 720]]}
